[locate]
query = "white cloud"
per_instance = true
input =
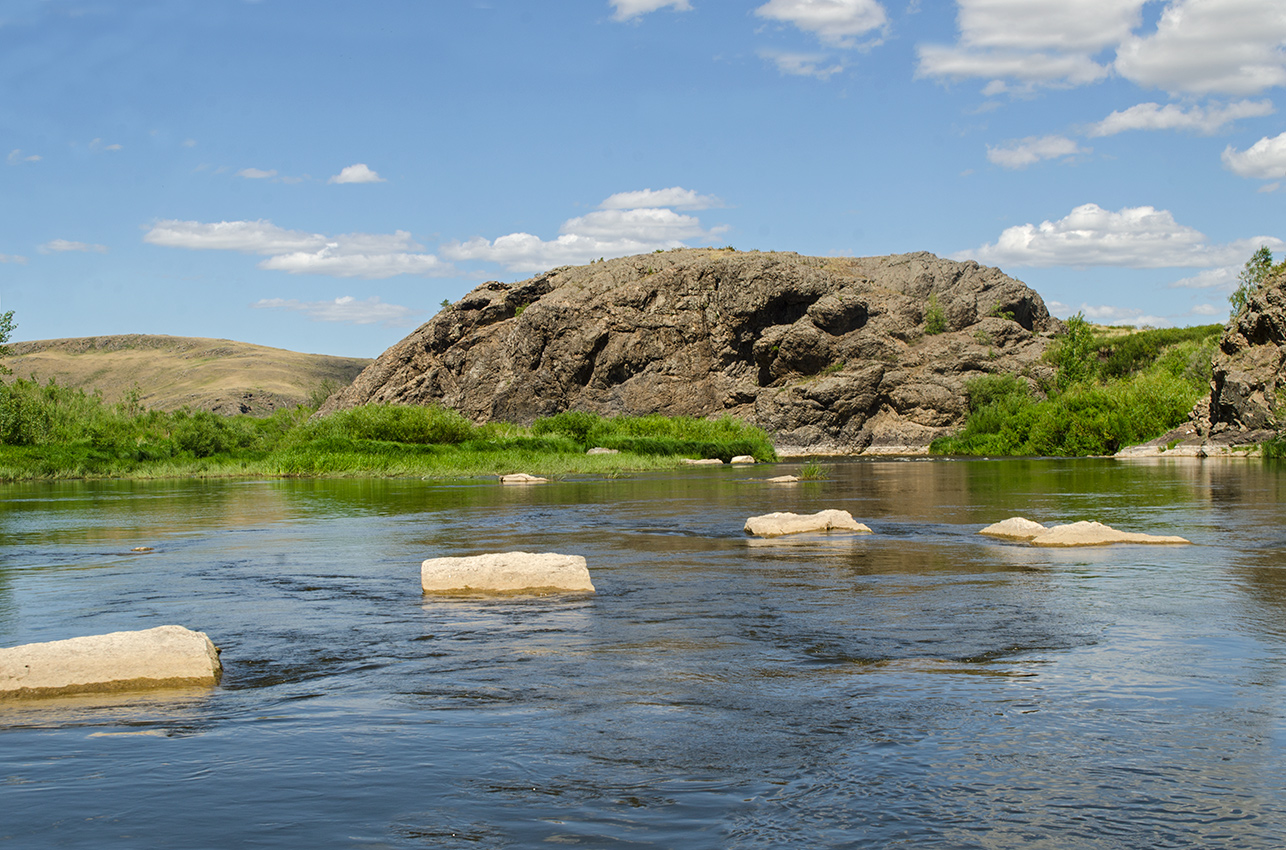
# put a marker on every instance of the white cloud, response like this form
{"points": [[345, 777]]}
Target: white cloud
{"points": [[17, 259], [1223, 277], [1210, 46], [835, 22], [676, 197], [1133, 237], [189, 143], [629, 9], [802, 64], [1031, 69], [347, 309], [256, 173], [1264, 160], [602, 233], [15, 156], [97, 145], [1028, 151], [1109, 315], [367, 255], [58, 246], [1153, 116], [1206, 310], [357, 173], [1035, 42]]}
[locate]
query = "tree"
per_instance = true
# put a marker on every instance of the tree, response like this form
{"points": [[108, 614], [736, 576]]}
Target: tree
{"points": [[1252, 275], [6, 330]]}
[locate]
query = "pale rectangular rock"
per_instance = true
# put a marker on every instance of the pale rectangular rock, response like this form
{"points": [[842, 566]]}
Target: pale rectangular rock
{"points": [[506, 572], [1098, 534], [1015, 528], [166, 656], [778, 524]]}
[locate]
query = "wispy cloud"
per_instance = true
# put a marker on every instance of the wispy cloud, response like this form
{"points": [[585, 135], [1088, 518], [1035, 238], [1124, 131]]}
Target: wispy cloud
{"points": [[347, 309], [366, 255], [17, 259], [16, 157], [628, 10], [675, 197], [802, 64], [57, 246], [1154, 116], [358, 173], [838, 23], [1031, 150], [256, 173]]}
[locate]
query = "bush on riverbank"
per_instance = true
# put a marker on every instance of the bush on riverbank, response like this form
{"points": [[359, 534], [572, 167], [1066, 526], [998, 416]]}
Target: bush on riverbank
{"points": [[1110, 392], [48, 431]]}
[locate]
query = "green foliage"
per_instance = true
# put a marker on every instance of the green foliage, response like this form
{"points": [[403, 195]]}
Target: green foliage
{"points": [[935, 318], [814, 471], [1252, 275], [1125, 355], [1001, 314], [7, 327], [1074, 354], [52, 431], [320, 393]]}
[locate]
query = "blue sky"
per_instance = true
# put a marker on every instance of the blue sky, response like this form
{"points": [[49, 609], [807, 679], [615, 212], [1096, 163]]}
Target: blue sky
{"points": [[319, 176]]}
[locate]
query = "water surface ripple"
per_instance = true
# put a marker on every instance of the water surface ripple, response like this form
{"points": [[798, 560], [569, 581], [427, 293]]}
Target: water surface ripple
{"points": [[918, 687]]}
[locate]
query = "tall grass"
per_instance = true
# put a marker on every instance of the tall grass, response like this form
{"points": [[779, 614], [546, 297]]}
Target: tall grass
{"points": [[48, 431], [1108, 394]]}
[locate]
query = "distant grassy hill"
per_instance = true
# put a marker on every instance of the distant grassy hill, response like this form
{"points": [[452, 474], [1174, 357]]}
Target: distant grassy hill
{"points": [[171, 372]]}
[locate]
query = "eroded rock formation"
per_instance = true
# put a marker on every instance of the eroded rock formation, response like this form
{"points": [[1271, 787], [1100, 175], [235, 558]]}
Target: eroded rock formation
{"points": [[827, 354]]}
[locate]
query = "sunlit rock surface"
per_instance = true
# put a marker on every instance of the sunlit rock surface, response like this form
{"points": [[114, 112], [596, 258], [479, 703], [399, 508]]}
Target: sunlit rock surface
{"points": [[1071, 534], [166, 656], [506, 572], [778, 524]]}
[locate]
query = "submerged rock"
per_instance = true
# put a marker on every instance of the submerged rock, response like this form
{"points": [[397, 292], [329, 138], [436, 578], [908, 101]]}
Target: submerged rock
{"points": [[778, 524], [827, 354], [1071, 534], [522, 478], [1014, 528], [506, 572], [166, 656]]}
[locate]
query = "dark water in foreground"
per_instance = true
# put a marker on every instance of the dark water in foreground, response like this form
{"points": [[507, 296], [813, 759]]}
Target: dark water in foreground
{"points": [[920, 687]]}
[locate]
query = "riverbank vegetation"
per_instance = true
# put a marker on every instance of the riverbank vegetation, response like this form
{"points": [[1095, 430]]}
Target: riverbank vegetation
{"points": [[1110, 391], [49, 431]]}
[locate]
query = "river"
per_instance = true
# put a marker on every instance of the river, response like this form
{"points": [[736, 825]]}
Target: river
{"points": [[921, 686]]}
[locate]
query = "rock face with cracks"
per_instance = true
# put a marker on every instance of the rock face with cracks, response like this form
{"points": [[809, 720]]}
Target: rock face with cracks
{"points": [[779, 524], [506, 572], [826, 354], [166, 656]]}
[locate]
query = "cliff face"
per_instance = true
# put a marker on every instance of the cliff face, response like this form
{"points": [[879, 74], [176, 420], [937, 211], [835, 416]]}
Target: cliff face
{"points": [[1246, 386], [827, 354]]}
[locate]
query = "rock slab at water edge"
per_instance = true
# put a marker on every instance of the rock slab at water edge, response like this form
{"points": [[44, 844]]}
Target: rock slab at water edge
{"points": [[166, 656], [506, 572], [1072, 534], [522, 478], [778, 524]]}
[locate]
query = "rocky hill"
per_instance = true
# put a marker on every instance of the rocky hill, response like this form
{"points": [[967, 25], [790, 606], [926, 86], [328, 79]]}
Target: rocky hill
{"points": [[828, 354], [170, 372]]}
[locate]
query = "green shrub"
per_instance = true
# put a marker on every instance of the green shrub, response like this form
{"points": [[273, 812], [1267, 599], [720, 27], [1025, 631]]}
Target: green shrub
{"points": [[935, 318], [573, 424]]}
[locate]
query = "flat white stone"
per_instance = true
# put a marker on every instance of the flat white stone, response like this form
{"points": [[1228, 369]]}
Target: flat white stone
{"points": [[1097, 534], [506, 572], [599, 450], [1015, 528], [778, 524], [709, 461], [783, 479], [522, 478], [743, 459], [166, 656]]}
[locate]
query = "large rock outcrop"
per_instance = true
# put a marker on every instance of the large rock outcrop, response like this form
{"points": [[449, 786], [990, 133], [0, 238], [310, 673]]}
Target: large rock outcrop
{"points": [[1247, 401], [826, 354]]}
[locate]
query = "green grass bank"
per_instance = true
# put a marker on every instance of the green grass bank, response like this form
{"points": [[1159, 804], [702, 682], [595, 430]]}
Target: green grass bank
{"points": [[49, 431], [1111, 390]]}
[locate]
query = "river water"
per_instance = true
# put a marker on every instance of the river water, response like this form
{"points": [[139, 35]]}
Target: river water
{"points": [[918, 687]]}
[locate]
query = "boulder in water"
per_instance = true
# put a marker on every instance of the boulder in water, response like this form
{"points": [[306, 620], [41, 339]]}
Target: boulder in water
{"points": [[506, 572]]}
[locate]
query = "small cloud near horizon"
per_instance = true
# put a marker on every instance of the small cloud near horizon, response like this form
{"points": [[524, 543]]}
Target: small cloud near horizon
{"points": [[57, 246], [346, 309], [357, 173]]}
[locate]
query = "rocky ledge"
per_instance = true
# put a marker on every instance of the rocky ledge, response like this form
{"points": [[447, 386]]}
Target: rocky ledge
{"points": [[1244, 407], [828, 354]]}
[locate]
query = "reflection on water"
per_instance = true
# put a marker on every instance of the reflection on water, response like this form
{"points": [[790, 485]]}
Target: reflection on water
{"points": [[919, 686]]}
